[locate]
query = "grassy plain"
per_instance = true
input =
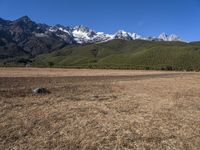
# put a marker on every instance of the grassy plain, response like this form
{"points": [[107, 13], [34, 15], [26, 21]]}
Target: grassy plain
{"points": [[99, 109]]}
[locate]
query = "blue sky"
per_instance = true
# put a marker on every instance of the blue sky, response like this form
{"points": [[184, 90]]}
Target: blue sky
{"points": [[145, 17]]}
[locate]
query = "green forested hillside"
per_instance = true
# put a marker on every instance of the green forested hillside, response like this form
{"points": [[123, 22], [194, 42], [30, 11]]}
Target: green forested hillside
{"points": [[122, 54]]}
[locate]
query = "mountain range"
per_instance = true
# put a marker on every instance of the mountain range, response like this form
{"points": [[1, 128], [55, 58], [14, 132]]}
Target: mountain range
{"points": [[24, 36], [24, 41]]}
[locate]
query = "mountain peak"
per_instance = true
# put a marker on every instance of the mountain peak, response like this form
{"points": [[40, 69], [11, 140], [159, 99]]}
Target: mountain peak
{"points": [[163, 36], [166, 37], [81, 28], [121, 34], [1, 19], [24, 19], [174, 37]]}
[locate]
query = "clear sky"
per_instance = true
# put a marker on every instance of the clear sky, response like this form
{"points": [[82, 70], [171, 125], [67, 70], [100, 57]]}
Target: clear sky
{"points": [[145, 17]]}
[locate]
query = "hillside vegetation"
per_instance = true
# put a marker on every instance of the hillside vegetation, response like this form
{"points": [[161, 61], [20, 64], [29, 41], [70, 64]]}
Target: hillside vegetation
{"points": [[121, 54]]}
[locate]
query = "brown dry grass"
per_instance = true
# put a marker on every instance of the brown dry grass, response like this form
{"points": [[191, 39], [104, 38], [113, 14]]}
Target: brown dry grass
{"points": [[56, 72], [99, 109]]}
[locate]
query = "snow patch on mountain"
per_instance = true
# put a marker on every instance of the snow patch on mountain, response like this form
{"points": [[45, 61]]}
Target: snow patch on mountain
{"points": [[81, 35]]}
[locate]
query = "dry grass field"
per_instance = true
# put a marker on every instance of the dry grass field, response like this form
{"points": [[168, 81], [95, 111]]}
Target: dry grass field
{"points": [[99, 110]]}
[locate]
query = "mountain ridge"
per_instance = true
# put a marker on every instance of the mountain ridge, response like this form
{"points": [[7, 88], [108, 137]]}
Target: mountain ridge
{"points": [[37, 38], [83, 34]]}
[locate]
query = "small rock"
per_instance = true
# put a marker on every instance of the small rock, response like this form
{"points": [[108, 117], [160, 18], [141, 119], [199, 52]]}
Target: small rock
{"points": [[40, 91]]}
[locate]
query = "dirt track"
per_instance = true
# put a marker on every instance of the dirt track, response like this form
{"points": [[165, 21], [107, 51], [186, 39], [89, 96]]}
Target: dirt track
{"points": [[99, 109]]}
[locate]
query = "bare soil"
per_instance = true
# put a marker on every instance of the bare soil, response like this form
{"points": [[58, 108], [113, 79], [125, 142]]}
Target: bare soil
{"points": [[99, 109]]}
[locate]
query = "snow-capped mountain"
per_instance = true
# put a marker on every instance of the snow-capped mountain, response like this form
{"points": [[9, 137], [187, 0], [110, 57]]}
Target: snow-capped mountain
{"points": [[135, 36], [26, 37], [37, 38], [121, 34], [172, 37], [81, 35]]}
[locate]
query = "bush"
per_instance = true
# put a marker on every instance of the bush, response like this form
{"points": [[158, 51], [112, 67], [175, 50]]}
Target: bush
{"points": [[50, 64]]}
